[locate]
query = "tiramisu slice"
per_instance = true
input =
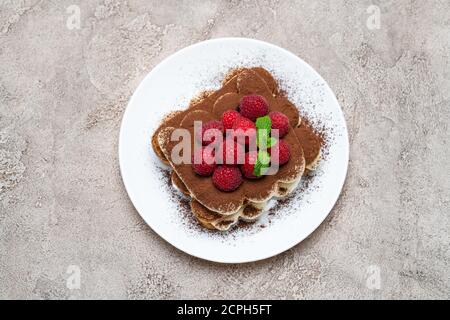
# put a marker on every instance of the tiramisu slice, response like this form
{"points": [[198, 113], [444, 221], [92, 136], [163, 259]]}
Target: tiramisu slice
{"points": [[247, 128]]}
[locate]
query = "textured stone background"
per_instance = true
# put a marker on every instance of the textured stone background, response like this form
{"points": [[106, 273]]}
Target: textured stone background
{"points": [[62, 202]]}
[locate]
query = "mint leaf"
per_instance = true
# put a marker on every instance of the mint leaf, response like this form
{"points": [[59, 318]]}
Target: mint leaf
{"points": [[262, 163], [263, 126], [264, 123], [271, 142], [263, 139]]}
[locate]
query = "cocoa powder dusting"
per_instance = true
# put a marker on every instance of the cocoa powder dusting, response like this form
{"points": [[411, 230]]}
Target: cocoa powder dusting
{"points": [[247, 81], [313, 138]]}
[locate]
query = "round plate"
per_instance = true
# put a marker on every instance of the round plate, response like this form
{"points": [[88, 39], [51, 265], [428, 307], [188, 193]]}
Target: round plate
{"points": [[169, 87]]}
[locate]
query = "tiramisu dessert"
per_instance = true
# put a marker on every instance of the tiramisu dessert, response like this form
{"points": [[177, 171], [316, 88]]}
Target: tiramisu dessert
{"points": [[246, 144]]}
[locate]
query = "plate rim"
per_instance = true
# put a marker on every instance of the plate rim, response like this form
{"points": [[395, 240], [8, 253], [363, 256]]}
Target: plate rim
{"points": [[288, 245]]}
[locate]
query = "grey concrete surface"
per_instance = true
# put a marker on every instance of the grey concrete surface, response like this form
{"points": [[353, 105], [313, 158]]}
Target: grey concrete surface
{"points": [[62, 202]]}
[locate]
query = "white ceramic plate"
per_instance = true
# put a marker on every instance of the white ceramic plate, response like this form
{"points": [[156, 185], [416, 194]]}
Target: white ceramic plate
{"points": [[170, 86]]}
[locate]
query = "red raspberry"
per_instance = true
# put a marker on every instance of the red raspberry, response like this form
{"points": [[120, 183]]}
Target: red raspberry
{"points": [[254, 106], [227, 178], [207, 163], [244, 126], [280, 122], [228, 118], [209, 136], [232, 147], [283, 150], [249, 165]]}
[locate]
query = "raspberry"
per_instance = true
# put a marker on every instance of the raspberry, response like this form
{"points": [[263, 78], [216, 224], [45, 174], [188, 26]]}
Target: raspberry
{"points": [[283, 150], [227, 178], [207, 163], [253, 106], [209, 136], [228, 118], [280, 122], [231, 147], [249, 165], [244, 127]]}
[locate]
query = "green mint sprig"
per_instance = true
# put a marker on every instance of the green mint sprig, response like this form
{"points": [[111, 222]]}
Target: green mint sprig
{"points": [[263, 141], [262, 163]]}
